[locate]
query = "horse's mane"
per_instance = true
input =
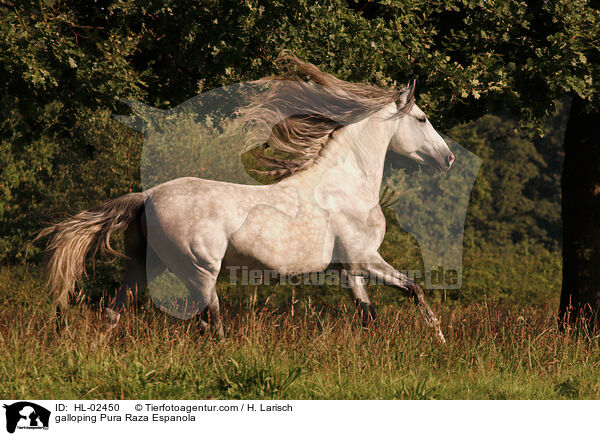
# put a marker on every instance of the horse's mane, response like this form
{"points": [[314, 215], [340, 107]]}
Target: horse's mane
{"points": [[301, 108]]}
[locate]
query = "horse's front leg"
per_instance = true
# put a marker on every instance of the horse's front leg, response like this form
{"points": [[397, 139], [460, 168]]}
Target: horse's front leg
{"points": [[384, 273], [361, 298], [201, 282], [212, 317]]}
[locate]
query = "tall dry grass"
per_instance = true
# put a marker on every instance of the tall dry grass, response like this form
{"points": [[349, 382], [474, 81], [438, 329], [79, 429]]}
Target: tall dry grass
{"points": [[302, 351]]}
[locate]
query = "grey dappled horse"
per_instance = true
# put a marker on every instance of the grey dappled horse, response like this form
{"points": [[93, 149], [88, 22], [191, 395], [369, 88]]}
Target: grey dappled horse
{"points": [[324, 208]]}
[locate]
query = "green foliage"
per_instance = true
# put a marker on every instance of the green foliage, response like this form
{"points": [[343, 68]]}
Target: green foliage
{"points": [[516, 196], [61, 73]]}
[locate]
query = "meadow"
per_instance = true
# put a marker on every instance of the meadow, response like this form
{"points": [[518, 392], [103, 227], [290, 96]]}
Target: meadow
{"points": [[66, 71], [305, 343]]}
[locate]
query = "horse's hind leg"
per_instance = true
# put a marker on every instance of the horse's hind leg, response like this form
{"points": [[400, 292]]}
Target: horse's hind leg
{"points": [[212, 316], [134, 279], [201, 284], [142, 264]]}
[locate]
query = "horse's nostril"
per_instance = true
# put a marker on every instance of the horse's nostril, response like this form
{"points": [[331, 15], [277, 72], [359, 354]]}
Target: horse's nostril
{"points": [[449, 159]]}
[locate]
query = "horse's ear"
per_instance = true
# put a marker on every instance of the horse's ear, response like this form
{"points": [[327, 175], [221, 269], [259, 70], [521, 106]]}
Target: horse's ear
{"points": [[407, 95]]}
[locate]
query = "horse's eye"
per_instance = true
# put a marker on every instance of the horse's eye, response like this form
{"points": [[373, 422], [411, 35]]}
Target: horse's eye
{"points": [[422, 120]]}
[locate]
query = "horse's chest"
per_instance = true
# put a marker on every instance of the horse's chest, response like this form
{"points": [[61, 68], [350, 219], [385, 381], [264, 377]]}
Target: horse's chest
{"points": [[364, 231]]}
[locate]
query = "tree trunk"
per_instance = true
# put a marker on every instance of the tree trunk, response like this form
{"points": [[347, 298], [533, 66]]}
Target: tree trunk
{"points": [[580, 295]]}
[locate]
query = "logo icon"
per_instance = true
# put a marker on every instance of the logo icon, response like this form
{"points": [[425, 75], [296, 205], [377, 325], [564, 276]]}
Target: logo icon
{"points": [[26, 415]]}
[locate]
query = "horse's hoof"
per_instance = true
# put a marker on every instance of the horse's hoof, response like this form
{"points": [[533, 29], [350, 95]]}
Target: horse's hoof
{"points": [[110, 319], [61, 323], [438, 332], [441, 337], [219, 334], [366, 313]]}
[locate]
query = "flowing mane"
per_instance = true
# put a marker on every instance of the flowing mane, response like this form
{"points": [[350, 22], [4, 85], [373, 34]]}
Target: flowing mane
{"points": [[299, 110]]}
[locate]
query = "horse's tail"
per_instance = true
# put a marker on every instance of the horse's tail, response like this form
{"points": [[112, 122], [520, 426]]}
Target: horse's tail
{"points": [[74, 237]]}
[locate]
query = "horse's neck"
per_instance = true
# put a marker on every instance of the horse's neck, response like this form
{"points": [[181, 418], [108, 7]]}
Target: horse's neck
{"points": [[354, 155]]}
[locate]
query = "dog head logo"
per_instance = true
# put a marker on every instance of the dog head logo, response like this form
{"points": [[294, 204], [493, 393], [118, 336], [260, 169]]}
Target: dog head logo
{"points": [[26, 415]]}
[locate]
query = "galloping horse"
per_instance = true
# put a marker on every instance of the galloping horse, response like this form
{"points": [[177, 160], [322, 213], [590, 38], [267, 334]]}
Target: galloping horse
{"points": [[324, 208]]}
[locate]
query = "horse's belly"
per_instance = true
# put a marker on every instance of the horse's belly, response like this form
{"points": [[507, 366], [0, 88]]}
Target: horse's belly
{"points": [[270, 262], [282, 243]]}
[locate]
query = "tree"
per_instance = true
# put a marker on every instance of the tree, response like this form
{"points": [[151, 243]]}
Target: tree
{"points": [[581, 215]]}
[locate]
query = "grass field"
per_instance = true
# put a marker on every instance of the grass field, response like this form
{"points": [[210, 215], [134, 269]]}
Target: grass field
{"points": [[299, 350]]}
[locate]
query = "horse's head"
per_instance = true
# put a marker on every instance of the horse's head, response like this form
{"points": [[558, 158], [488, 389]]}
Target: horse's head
{"points": [[416, 138]]}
